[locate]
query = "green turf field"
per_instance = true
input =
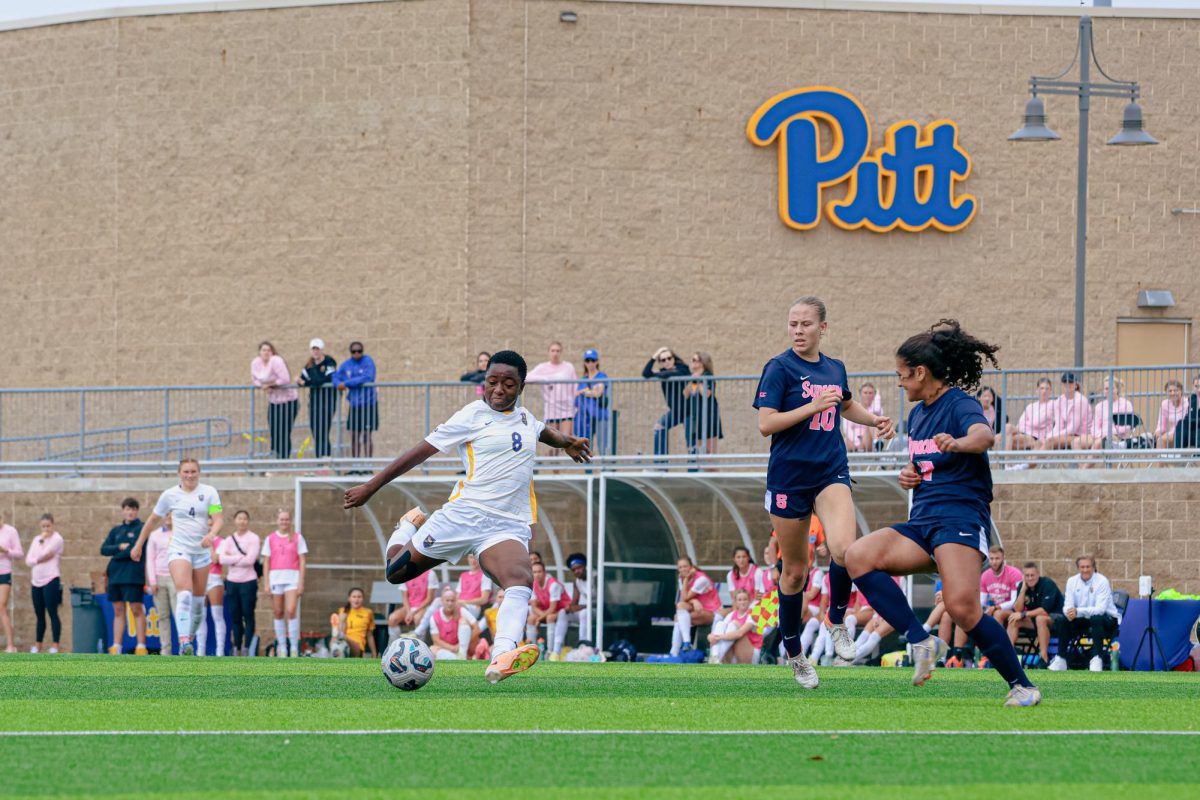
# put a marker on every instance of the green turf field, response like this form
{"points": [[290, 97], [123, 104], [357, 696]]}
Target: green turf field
{"points": [[324, 728]]}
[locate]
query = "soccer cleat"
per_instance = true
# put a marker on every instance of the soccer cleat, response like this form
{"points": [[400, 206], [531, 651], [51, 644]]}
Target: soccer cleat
{"points": [[1058, 664], [416, 516], [141, 650], [115, 650], [186, 648], [52, 649], [954, 662], [1022, 696], [803, 671], [925, 657], [511, 663], [1096, 665], [843, 645]]}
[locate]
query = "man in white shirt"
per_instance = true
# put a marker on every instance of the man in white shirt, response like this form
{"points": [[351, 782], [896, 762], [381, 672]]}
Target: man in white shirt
{"points": [[1089, 609]]}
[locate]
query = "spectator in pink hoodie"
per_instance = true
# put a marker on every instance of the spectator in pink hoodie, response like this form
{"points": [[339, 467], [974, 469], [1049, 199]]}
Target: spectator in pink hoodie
{"points": [[239, 552], [558, 397], [10, 548], [270, 372], [45, 551], [162, 585]]}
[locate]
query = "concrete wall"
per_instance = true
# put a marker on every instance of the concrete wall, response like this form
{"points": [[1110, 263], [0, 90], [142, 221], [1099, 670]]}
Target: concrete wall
{"points": [[441, 176], [1135, 522]]}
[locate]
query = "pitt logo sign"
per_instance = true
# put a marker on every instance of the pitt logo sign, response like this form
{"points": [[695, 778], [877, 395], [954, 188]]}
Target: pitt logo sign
{"points": [[909, 183]]}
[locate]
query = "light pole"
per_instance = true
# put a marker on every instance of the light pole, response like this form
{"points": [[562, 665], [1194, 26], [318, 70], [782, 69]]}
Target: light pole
{"points": [[1035, 130]]}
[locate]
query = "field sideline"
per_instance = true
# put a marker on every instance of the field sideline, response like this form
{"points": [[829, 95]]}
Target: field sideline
{"points": [[324, 728]]}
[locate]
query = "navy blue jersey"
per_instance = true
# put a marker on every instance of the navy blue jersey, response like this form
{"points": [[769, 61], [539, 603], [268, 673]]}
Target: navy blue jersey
{"points": [[810, 454], [953, 485]]}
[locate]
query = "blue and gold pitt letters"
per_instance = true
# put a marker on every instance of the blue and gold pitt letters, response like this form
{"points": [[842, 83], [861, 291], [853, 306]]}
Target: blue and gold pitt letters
{"points": [[909, 183]]}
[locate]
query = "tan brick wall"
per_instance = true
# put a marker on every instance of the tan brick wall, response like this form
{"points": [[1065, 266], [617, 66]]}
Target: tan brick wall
{"points": [[441, 176]]}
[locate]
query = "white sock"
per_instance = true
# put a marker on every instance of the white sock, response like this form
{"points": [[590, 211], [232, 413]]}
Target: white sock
{"points": [[866, 647], [721, 649], [809, 634], [927, 627], [683, 631], [464, 639], [423, 626], [400, 536], [200, 632], [530, 632], [560, 632], [510, 618], [197, 614], [821, 645], [218, 613], [293, 629], [280, 635], [183, 616], [393, 632], [851, 625], [585, 623]]}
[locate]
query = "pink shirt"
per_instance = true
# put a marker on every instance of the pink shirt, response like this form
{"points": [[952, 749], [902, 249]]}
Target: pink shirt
{"points": [[471, 585], [417, 590], [763, 584], [1072, 417], [241, 567], [700, 585], [551, 594], [1000, 589], [215, 569], [10, 548], [157, 554], [1037, 420], [747, 581], [853, 430], [274, 371], [39, 547], [448, 628], [754, 636], [1102, 418], [1169, 415], [559, 398], [284, 551]]}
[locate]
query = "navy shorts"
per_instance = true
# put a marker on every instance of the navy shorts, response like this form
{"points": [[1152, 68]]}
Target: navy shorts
{"points": [[6, 579], [972, 532], [125, 593], [798, 504]]}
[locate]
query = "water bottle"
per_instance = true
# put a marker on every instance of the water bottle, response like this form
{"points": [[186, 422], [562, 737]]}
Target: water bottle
{"points": [[541, 646], [1114, 657]]}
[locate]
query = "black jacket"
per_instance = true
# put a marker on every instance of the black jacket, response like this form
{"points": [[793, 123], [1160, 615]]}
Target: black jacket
{"points": [[1043, 594], [474, 376], [121, 568], [672, 390], [319, 379]]}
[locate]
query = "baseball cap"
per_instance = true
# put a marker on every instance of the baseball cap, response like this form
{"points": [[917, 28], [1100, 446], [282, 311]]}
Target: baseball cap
{"points": [[591, 355], [1069, 377], [317, 343]]}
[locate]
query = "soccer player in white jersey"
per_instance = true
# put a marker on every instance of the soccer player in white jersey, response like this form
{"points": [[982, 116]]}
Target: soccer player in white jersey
{"points": [[490, 510], [191, 505]]}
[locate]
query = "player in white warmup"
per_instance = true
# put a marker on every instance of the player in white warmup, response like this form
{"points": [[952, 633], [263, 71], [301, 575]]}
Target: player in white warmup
{"points": [[191, 504], [490, 510]]}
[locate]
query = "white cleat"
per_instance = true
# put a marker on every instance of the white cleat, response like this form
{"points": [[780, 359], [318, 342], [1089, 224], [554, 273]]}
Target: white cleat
{"points": [[1022, 696], [843, 645], [1058, 664], [1096, 665], [805, 675], [925, 655]]}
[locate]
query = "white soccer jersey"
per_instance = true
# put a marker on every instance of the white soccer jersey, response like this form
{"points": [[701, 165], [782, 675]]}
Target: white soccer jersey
{"points": [[497, 451], [189, 513]]}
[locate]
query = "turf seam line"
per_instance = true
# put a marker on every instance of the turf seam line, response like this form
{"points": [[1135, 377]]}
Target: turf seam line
{"points": [[592, 732]]}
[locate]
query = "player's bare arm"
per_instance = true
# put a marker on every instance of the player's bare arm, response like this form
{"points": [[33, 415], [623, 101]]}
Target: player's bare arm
{"points": [[855, 412], [979, 438], [578, 449], [771, 420], [359, 495], [151, 525]]}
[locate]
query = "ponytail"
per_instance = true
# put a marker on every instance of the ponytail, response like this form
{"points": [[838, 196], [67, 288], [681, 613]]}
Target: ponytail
{"points": [[950, 354]]}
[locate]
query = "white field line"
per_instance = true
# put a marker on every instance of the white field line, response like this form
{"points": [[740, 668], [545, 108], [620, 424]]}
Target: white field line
{"points": [[595, 732]]}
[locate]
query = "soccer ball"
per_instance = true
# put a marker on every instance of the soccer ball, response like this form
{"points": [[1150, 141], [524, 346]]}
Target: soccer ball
{"points": [[407, 663], [339, 648]]}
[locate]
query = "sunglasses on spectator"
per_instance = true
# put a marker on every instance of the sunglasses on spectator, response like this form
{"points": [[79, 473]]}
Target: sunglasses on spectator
{"points": [[589, 361], [355, 352], [665, 359]]}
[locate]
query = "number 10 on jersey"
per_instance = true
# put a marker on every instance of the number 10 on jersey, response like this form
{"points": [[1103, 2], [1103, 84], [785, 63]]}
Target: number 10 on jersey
{"points": [[823, 420]]}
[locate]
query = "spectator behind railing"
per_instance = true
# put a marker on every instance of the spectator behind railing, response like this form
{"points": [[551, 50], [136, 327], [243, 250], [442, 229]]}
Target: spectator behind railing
{"points": [[270, 372], [10, 548], [1187, 431], [355, 377], [126, 578], [322, 399], [591, 402], [475, 376], [1103, 432], [993, 409], [663, 366], [558, 395], [860, 438], [1072, 415], [1173, 409], [239, 552], [703, 412], [45, 552], [1035, 428]]}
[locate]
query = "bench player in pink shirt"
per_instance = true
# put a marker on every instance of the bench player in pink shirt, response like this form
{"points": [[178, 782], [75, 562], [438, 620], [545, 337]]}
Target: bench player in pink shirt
{"points": [[550, 598], [453, 629], [742, 575], [698, 603], [286, 554], [734, 639], [10, 548], [475, 587]]}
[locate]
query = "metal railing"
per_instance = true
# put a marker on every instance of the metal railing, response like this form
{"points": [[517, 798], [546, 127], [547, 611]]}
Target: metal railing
{"points": [[674, 423]]}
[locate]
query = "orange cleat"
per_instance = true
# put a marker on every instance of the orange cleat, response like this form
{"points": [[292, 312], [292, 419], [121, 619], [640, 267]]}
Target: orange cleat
{"points": [[511, 663]]}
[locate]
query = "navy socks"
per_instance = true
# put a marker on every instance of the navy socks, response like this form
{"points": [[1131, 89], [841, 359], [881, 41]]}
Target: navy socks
{"points": [[791, 614], [886, 598], [993, 641], [839, 592]]}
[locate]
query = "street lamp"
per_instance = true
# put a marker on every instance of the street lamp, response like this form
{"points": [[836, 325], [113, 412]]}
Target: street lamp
{"points": [[1034, 129]]}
